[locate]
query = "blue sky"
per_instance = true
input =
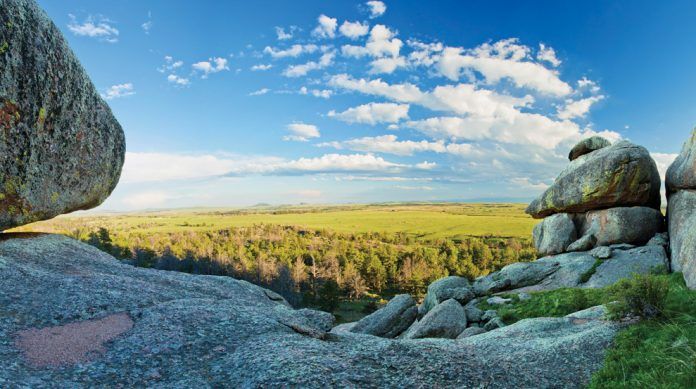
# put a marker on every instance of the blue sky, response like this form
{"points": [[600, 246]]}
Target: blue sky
{"points": [[239, 103]]}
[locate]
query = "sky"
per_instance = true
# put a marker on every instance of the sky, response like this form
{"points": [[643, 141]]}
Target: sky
{"points": [[238, 103]]}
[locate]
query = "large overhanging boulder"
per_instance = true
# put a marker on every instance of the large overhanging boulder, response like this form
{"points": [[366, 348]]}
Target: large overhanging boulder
{"points": [[682, 173], [623, 174], [61, 148]]}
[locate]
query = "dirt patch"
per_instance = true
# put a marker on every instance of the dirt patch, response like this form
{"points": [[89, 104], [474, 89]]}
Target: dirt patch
{"points": [[71, 343]]}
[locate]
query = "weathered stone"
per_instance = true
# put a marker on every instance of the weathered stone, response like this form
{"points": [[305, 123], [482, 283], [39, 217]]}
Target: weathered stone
{"points": [[473, 313], [494, 324], [319, 319], [681, 174], [624, 264], [390, 320], [489, 315], [601, 252], [516, 275], [587, 146], [62, 149], [452, 287], [208, 331], [598, 312], [681, 216], [446, 320], [524, 296], [471, 331], [660, 239], [554, 234], [623, 174], [585, 243], [632, 225]]}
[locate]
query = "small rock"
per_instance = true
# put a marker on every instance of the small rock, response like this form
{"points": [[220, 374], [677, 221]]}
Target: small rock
{"points": [[493, 324], [601, 252], [585, 243], [489, 314], [452, 287], [497, 300], [524, 296], [622, 246], [390, 320], [473, 313], [587, 146], [446, 320], [471, 331], [660, 239], [554, 234]]}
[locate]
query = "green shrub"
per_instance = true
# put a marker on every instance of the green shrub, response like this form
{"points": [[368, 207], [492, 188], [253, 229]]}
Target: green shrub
{"points": [[642, 295]]}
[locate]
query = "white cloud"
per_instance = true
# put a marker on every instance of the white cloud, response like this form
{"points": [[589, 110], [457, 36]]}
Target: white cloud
{"points": [[527, 183], [173, 78], [169, 64], [389, 144], [663, 160], [302, 132], [502, 60], [147, 26], [155, 167], [326, 27], [425, 165], [387, 65], [585, 83], [373, 113], [100, 28], [404, 93], [285, 35], [417, 188], [117, 91], [337, 162], [212, 65], [260, 92], [354, 30], [424, 54], [302, 70], [322, 93], [577, 108], [148, 199], [377, 8], [293, 51], [261, 67], [548, 54]]}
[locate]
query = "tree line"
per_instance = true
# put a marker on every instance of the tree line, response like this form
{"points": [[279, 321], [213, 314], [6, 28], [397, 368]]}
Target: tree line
{"points": [[313, 267]]}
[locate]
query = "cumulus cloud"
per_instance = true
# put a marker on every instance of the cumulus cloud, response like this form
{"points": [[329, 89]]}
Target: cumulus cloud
{"points": [[212, 65], [174, 79], [293, 51], [94, 27], [504, 59], [261, 67], [326, 27], [389, 144], [383, 46], [301, 70], [373, 113], [322, 93], [170, 64], [527, 183], [577, 108], [548, 54], [283, 35], [302, 132], [354, 30], [118, 91], [376, 8]]}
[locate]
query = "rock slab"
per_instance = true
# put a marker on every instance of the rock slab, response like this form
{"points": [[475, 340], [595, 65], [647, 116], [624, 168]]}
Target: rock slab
{"points": [[211, 331], [61, 148], [390, 320]]}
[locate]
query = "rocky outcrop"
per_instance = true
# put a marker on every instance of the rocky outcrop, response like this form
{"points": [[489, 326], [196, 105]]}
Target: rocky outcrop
{"points": [[452, 287], [621, 175], [169, 329], [61, 149], [391, 320], [446, 320], [554, 234], [587, 146], [681, 211]]}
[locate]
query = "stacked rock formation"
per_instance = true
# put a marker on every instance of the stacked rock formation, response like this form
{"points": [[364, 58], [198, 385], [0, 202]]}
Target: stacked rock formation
{"points": [[681, 211], [608, 194], [62, 149]]}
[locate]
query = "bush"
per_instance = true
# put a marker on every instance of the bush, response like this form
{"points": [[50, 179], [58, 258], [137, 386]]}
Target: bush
{"points": [[643, 296]]}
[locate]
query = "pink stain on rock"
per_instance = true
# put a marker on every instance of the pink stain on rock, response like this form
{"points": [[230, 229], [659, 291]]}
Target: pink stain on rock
{"points": [[71, 343]]}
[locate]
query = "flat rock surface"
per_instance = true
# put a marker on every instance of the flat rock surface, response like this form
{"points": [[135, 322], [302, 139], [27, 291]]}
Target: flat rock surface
{"points": [[209, 331], [61, 148]]}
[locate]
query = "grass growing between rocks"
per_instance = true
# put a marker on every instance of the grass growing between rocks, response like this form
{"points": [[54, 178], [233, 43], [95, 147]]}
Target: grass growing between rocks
{"points": [[656, 353], [653, 353]]}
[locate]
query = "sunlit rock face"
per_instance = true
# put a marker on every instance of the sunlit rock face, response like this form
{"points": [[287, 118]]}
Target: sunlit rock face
{"points": [[61, 149]]}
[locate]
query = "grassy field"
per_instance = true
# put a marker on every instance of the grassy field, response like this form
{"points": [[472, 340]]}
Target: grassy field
{"points": [[426, 221]]}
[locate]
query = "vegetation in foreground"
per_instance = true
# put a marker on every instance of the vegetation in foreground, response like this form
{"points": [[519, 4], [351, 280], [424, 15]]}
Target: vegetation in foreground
{"points": [[657, 352], [348, 273]]}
